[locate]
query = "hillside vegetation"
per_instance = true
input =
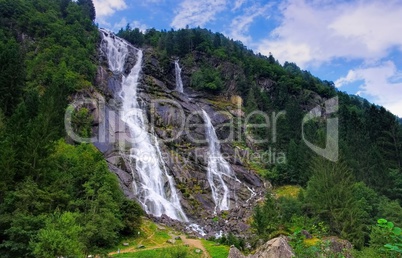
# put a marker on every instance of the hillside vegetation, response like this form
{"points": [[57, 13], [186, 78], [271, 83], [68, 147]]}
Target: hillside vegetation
{"points": [[55, 198], [345, 197], [58, 198]]}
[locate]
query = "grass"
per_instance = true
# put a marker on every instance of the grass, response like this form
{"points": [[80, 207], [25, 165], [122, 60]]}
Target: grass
{"points": [[257, 167], [170, 252], [154, 239], [216, 251], [150, 236], [287, 191], [222, 104]]}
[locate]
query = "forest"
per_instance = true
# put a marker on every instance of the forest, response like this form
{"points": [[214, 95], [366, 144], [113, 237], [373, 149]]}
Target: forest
{"points": [[55, 198], [58, 198], [348, 196]]}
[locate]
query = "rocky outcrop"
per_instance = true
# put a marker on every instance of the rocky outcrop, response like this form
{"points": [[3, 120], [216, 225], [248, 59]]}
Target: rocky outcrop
{"points": [[339, 246], [177, 121], [235, 253], [274, 248]]}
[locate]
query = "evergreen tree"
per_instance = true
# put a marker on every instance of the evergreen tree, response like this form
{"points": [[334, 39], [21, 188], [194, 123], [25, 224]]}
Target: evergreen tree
{"points": [[331, 195], [266, 217], [11, 75], [89, 8]]}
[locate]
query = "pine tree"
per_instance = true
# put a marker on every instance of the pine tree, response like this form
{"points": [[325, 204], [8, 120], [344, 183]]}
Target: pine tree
{"points": [[330, 193], [89, 8], [266, 217]]}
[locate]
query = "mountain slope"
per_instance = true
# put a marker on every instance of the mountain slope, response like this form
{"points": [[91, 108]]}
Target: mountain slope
{"points": [[58, 197]]}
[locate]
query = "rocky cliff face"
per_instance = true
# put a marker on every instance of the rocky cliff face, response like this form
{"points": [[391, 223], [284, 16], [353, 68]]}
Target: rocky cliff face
{"points": [[177, 122]]}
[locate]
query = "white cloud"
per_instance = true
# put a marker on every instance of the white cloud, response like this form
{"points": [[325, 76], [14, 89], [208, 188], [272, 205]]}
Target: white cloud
{"points": [[123, 23], [141, 26], [238, 4], [197, 12], [240, 25], [155, 1], [108, 7], [322, 31], [381, 82]]}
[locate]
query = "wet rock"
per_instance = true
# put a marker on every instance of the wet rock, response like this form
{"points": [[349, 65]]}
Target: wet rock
{"points": [[185, 152], [125, 180]]}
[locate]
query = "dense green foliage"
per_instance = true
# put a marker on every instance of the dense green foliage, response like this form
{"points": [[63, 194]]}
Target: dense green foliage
{"points": [[346, 196], [332, 204], [56, 199], [386, 237], [370, 137]]}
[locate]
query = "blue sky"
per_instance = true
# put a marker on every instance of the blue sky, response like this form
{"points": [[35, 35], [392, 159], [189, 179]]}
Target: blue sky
{"points": [[355, 43]]}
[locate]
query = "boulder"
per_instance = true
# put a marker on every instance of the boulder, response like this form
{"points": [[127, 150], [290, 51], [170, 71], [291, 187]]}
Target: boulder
{"points": [[171, 241], [339, 246], [306, 234], [235, 253], [275, 248]]}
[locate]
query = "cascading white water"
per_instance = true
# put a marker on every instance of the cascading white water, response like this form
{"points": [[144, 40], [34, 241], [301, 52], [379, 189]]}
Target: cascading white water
{"points": [[218, 167], [179, 82], [155, 188]]}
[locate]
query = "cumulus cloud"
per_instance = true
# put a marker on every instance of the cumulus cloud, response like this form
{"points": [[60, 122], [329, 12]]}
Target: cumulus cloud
{"points": [[134, 24], [108, 7], [121, 24], [141, 26], [381, 82], [237, 4], [240, 25], [315, 32], [197, 13]]}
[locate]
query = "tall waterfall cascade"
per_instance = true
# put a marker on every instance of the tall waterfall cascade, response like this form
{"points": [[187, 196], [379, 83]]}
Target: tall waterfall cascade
{"points": [[179, 82], [218, 168], [153, 186]]}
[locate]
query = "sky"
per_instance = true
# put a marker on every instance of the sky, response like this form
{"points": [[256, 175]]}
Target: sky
{"points": [[357, 44]]}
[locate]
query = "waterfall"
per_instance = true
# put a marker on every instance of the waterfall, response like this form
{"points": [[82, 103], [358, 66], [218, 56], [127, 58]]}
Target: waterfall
{"points": [[155, 188], [218, 168], [179, 82]]}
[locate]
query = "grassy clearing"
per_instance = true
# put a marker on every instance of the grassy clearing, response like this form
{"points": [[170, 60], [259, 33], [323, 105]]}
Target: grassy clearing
{"points": [[150, 236], [287, 191], [216, 250], [170, 252]]}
